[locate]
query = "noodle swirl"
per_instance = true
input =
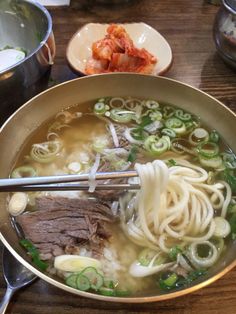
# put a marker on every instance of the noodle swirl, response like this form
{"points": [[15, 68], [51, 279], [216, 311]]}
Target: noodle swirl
{"points": [[174, 205]]}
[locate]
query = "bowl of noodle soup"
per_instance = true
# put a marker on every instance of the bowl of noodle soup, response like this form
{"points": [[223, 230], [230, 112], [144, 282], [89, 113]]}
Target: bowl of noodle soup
{"points": [[169, 235]]}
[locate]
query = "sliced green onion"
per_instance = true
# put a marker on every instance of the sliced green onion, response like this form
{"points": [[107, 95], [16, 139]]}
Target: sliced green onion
{"points": [[174, 251], [107, 292], [45, 152], [89, 272], [214, 162], [169, 132], [122, 293], [146, 119], [184, 116], [169, 282], [214, 136], [121, 116], [149, 141], [132, 154], [191, 125], [100, 108], [175, 124], [202, 254], [109, 283], [155, 115], [181, 146], [208, 149], [199, 135], [34, 253], [156, 145], [97, 282], [168, 112], [145, 256], [95, 278], [165, 137], [138, 134], [222, 227], [24, 171], [159, 147], [151, 104], [229, 160], [113, 292], [82, 282], [120, 164], [179, 282], [171, 163], [72, 281]]}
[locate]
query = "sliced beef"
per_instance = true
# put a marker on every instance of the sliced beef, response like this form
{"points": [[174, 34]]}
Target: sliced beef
{"points": [[109, 195], [59, 222], [80, 207]]}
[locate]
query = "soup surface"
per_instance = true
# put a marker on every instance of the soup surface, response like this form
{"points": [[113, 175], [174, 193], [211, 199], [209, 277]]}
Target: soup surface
{"points": [[163, 233]]}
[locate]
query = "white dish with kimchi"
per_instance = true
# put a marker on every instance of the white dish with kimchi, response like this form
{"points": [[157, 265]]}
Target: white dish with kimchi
{"points": [[142, 37]]}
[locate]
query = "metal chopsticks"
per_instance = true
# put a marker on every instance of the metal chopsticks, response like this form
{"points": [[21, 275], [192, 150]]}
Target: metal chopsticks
{"points": [[63, 182]]}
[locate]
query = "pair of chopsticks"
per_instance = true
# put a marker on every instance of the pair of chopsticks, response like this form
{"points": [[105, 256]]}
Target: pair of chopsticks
{"points": [[63, 182]]}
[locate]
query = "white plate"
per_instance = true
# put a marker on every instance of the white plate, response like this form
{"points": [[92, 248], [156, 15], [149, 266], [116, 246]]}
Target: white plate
{"points": [[143, 36]]}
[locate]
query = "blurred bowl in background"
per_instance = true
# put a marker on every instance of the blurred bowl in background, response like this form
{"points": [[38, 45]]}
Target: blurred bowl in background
{"points": [[26, 25], [224, 32]]}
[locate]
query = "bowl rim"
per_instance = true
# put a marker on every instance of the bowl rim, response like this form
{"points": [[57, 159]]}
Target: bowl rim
{"points": [[79, 72], [42, 42], [137, 299]]}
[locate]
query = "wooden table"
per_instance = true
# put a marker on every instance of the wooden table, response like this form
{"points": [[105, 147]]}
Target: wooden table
{"points": [[187, 25]]}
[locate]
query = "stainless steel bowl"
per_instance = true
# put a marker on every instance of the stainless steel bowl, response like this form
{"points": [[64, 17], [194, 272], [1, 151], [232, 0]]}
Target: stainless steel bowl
{"points": [[34, 113], [28, 25], [224, 32]]}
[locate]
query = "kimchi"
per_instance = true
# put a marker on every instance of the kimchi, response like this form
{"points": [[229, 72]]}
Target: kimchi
{"points": [[117, 53]]}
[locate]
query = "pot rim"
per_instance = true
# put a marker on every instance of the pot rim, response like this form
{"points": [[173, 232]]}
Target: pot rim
{"points": [[42, 43]]}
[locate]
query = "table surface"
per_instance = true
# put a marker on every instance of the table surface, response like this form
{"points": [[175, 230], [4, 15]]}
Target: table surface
{"points": [[187, 25]]}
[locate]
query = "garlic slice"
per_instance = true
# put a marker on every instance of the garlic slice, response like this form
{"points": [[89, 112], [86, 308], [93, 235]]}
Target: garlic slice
{"points": [[17, 203]]}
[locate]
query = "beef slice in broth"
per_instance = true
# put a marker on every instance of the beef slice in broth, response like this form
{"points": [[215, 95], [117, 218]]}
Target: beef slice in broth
{"points": [[59, 223]]}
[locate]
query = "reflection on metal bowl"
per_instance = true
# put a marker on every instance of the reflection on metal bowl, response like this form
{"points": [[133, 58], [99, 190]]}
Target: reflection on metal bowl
{"points": [[26, 25], [81, 91], [224, 32]]}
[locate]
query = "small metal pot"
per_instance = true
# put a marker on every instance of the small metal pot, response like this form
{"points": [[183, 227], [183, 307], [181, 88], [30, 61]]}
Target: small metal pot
{"points": [[27, 25]]}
